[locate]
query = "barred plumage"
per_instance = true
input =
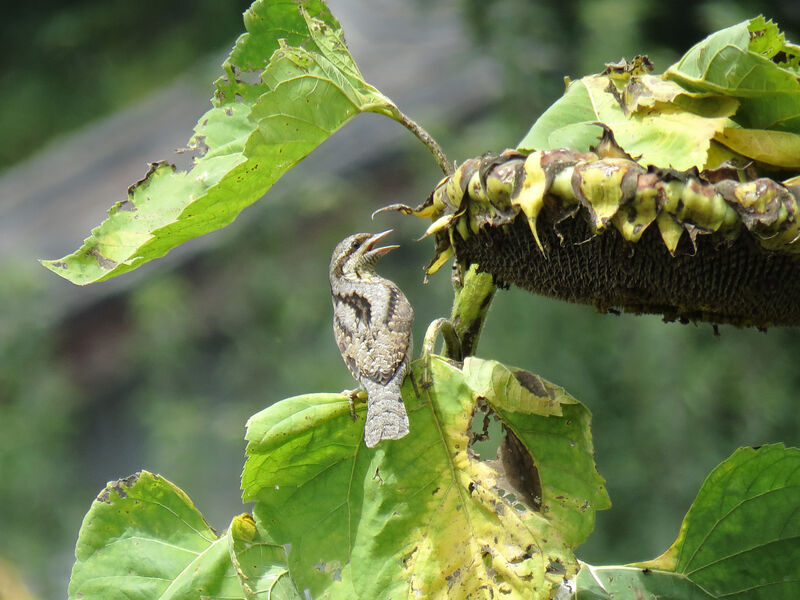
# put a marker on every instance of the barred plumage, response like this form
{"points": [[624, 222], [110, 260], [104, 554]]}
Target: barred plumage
{"points": [[372, 326]]}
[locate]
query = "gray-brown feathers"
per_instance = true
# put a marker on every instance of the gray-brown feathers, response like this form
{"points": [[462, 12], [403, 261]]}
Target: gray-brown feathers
{"points": [[372, 326]]}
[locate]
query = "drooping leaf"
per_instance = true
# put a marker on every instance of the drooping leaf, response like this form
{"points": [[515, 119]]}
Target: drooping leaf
{"points": [[143, 538], [421, 516], [748, 72], [290, 83], [266, 24]]}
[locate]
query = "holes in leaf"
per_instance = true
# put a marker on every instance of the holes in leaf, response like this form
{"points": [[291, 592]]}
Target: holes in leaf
{"points": [[519, 484], [247, 76], [556, 566], [486, 431]]}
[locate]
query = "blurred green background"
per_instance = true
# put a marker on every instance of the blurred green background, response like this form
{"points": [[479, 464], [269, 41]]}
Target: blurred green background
{"points": [[162, 374]]}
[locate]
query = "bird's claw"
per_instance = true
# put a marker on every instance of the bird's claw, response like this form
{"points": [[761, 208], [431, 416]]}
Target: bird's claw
{"points": [[352, 396]]}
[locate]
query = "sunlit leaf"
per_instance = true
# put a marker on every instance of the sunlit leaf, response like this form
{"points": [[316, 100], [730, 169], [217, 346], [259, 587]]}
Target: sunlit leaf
{"points": [[290, 83], [143, 538], [738, 62], [421, 516], [779, 148], [567, 123], [572, 489], [649, 123]]}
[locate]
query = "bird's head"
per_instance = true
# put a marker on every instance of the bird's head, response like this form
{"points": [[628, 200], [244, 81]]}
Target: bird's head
{"points": [[357, 254]]}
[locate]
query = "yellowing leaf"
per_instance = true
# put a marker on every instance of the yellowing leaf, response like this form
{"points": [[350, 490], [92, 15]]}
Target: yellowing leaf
{"points": [[652, 118], [308, 86], [423, 516], [778, 148], [665, 136]]}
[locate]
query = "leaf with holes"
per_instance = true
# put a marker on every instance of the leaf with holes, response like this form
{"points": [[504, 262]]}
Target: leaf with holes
{"points": [[422, 516], [555, 429], [289, 84]]}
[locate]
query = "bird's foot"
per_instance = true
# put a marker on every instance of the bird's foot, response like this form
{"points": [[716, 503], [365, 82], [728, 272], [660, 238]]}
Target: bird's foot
{"points": [[352, 396]]}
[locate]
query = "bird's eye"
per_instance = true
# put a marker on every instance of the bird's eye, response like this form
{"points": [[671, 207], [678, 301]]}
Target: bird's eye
{"points": [[354, 244]]}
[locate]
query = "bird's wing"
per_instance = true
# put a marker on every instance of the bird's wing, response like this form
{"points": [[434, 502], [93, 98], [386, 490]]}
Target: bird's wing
{"points": [[373, 335], [389, 339]]}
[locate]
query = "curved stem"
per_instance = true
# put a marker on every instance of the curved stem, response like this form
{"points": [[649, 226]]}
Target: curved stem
{"points": [[428, 140], [451, 341]]}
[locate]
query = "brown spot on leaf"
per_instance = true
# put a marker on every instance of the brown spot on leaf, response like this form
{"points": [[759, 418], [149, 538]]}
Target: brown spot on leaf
{"points": [[532, 383], [453, 578], [118, 487], [405, 560], [151, 168], [104, 262], [520, 469]]}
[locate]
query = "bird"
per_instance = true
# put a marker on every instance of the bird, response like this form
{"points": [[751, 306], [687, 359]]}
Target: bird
{"points": [[372, 321]]}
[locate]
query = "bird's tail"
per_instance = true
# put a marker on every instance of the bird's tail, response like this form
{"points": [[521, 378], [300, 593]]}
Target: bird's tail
{"points": [[386, 415]]}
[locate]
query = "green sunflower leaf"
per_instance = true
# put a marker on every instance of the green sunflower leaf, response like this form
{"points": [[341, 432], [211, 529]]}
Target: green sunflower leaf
{"points": [[425, 515], [289, 84]]}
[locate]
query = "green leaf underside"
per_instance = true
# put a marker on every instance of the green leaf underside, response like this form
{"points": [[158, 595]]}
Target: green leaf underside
{"points": [[623, 583], [143, 538], [421, 516], [741, 536], [251, 137]]}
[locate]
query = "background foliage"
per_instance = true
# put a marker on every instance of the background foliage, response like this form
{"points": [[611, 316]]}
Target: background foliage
{"points": [[164, 377]]}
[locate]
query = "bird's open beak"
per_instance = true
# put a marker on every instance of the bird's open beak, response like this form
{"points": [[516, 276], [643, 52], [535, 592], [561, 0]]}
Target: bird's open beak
{"points": [[371, 251]]}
